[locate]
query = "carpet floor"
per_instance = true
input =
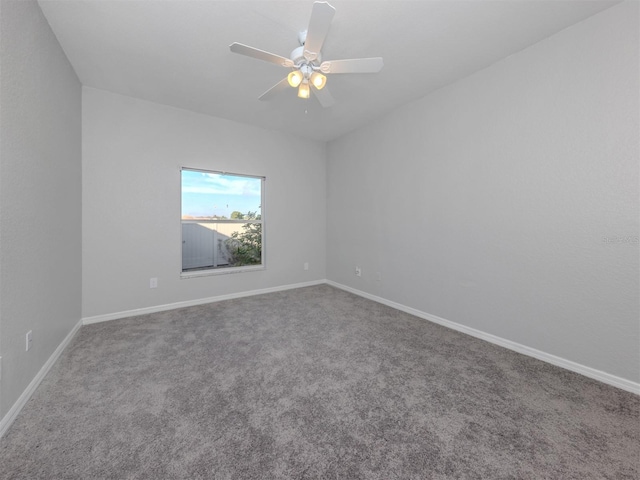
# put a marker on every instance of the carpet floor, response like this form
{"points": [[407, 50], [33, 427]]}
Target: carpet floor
{"points": [[312, 383]]}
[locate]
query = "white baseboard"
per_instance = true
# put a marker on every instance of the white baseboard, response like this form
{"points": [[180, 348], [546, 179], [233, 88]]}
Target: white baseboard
{"points": [[11, 415], [191, 303], [603, 377]]}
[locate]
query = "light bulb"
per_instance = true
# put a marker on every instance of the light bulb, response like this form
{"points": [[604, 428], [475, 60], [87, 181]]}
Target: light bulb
{"points": [[303, 90], [318, 80], [295, 78]]}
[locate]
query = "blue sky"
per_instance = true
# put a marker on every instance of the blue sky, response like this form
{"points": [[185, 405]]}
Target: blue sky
{"points": [[207, 194]]}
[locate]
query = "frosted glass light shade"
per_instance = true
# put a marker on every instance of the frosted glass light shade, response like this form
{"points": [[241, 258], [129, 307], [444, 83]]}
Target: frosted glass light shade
{"points": [[303, 90], [295, 78], [318, 80]]}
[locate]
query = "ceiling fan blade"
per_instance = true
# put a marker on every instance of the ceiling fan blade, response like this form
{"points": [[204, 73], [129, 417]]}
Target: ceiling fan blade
{"points": [[354, 65], [275, 90], [260, 54], [324, 96], [319, 23]]}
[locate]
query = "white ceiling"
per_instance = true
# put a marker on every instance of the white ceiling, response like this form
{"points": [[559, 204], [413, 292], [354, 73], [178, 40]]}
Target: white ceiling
{"points": [[177, 52]]}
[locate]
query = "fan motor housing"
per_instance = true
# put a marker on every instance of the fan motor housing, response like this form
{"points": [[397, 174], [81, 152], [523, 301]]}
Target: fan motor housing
{"points": [[298, 58]]}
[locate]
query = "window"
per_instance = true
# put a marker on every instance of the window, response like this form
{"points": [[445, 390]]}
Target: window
{"points": [[222, 222]]}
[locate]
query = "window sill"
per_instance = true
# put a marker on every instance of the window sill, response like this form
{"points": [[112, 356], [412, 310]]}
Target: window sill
{"points": [[221, 271]]}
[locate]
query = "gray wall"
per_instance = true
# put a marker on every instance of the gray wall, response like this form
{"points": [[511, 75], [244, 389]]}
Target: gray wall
{"points": [[505, 201], [132, 154], [40, 195]]}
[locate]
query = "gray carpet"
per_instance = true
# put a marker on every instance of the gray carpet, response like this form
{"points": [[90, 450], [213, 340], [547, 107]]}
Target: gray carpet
{"points": [[313, 383]]}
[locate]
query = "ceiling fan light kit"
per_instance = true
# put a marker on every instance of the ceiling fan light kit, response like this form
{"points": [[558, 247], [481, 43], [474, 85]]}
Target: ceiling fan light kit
{"points": [[308, 69]]}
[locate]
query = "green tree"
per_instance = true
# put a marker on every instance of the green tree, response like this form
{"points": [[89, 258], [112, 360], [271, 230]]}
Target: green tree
{"points": [[245, 247], [236, 215]]}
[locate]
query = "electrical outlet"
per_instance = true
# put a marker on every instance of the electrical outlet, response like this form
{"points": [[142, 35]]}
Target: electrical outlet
{"points": [[153, 282], [378, 277], [306, 265], [29, 339], [358, 272]]}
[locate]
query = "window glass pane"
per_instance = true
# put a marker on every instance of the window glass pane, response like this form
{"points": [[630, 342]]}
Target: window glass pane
{"points": [[210, 195], [222, 224], [219, 245]]}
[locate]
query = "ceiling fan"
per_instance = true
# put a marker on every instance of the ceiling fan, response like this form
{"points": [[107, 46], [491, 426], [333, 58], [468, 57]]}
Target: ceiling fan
{"points": [[305, 62]]}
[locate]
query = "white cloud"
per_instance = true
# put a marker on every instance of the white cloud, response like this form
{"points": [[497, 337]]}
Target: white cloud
{"points": [[213, 183]]}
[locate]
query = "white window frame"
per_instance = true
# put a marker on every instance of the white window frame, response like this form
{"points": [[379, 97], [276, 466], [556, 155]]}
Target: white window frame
{"points": [[225, 270]]}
